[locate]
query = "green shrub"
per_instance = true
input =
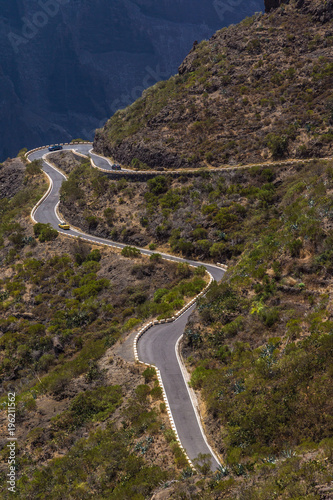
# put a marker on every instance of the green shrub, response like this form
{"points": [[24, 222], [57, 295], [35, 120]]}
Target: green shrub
{"points": [[95, 255], [171, 200], [156, 257], [231, 329], [295, 247], [22, 152], [156, 393], [70, 191], [149, 374], [139, 165], [46, 361], [182, 245], [203, 248], [200, 233], [270, 316], [94, 372], [159, 294], [45, 232], [142, 391], [199, 375], [17, 239], [131, 323], [34, 168], [109, 214], [130, 252], [217, 251], [90, 287], [277, 144], [92, 405], [184, 270], [92, 221], [158, 185], [200, 271]]}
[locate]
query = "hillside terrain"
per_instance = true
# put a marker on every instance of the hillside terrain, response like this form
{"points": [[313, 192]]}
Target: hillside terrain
{"points": [[65, 309], [259, 345], [260, 348], [66, 66], [258, 90]]}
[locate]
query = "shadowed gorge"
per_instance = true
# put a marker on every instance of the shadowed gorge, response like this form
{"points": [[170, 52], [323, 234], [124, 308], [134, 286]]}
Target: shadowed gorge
{"points": [[66, 66]]}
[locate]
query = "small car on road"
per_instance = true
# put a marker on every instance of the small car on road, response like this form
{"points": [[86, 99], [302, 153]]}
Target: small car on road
{"points": [[64, 226], [56, 147], [115, 166]]}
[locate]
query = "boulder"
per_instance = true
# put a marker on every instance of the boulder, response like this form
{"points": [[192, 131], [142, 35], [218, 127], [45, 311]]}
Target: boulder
{"points": [[57, 346]]}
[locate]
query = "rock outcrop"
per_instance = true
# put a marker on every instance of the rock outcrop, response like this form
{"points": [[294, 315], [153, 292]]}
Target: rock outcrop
{"points": [[321, 11]]}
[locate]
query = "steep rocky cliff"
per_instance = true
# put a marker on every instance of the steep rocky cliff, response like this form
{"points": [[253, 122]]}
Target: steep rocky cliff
{"points": [[67, 65], [257, 90], [323, 11]]}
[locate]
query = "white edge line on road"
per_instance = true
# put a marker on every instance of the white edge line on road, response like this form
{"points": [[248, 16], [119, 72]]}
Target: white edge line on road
{"points": [[193, 399], [145, 328], [223, 168], [56, 211], [172, 422], [53, 166], [91, 151], [46, 195]]}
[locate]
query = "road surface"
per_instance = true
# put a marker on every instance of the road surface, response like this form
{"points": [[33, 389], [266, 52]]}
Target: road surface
{"points": [[158, 345]]}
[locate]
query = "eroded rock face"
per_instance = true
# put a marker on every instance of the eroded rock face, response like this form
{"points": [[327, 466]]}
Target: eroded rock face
{"points": [[320, 10]]}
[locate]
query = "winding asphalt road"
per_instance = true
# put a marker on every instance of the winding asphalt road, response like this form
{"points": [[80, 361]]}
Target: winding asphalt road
{"points": [[159, 346]]}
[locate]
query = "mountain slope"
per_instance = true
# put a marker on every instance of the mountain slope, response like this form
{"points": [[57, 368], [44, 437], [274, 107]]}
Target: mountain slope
{"points": [[253, 91], [82, 411]]}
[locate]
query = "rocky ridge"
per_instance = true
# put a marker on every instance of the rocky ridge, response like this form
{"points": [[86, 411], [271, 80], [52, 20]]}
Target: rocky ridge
{"points": [[254, 91]]}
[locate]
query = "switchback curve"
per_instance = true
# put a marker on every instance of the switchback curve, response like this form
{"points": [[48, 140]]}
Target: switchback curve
{"points": [[180, 401]]}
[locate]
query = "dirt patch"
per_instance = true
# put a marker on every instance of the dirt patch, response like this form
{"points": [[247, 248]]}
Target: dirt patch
{"points": [[12, 173], [66, 160]]}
